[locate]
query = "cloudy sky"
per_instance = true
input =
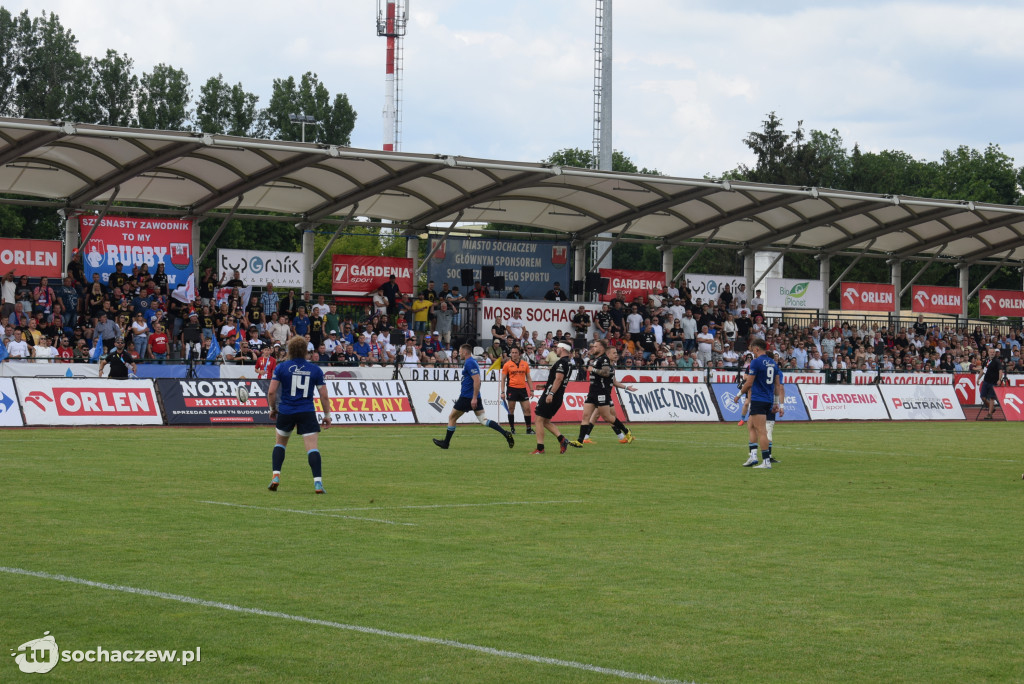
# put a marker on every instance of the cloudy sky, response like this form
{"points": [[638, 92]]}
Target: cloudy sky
{"points": [[513, 79]]}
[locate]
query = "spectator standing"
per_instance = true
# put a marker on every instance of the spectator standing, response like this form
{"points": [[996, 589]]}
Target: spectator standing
{"points": [[556, 294]]}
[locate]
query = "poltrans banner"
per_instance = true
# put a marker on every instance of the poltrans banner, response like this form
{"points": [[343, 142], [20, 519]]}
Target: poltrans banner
{"points": [[137, 241], [532, 265]]}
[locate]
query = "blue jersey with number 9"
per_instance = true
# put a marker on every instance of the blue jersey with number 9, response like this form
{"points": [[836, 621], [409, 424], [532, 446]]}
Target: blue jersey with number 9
{"points": [[299, 379], [764, 370]]}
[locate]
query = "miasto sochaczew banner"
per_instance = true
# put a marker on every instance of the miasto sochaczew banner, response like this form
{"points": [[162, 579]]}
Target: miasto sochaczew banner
{"points": [[531, 264], [137, 241]]}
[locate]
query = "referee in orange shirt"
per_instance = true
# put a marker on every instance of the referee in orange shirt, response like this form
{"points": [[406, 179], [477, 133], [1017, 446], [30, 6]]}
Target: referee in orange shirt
{"points": [[517, 389]]}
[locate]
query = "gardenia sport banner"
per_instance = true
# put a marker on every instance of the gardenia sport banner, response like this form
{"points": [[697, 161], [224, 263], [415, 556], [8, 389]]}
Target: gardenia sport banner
{"points": [[628, 285], [788, 293], [843, 402], [137, 241], [259, 267], [355, 275], [532, 265]]}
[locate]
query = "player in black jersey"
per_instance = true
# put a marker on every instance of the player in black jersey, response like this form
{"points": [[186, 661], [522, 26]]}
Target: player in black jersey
{"points": [[599, 398], [551, 400]]}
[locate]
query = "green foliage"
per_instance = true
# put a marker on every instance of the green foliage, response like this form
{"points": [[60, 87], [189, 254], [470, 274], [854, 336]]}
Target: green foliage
{"points": [[113, 91], [52, 77], [226, 110], [584, 159], [335, 120], [164, 99]]}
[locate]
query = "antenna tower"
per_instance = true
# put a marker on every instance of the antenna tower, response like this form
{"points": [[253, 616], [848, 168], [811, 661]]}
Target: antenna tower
{"points": [[392, 16], [602, 143]]}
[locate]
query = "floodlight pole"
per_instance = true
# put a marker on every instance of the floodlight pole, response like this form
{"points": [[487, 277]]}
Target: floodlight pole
{"points": [[303, 119]]}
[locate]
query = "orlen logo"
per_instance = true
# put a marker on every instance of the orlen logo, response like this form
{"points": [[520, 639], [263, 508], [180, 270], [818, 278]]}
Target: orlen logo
{"points": [[851, 294], [965, 387], [988, 301], [341, 273], [1013, 401], [95, 401], [921, 298]]}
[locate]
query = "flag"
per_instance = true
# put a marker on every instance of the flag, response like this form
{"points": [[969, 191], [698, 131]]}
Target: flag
{"points": [[214, 350], [186, 293], [3, 350], [97, 349]]}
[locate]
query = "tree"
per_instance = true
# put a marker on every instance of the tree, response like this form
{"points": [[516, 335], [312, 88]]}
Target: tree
{"points": [[584, 159], [113, 91], [52, 77], [226, 110], [164, 97], [334, 121], [10, 58]]}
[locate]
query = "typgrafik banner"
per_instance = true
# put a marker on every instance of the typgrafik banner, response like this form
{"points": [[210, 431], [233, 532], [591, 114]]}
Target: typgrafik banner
{"points": [[137, 241], [259, 267], [710, 287]]}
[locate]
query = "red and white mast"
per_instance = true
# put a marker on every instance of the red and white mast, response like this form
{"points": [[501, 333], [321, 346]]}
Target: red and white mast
{"points": [[391, 21]]}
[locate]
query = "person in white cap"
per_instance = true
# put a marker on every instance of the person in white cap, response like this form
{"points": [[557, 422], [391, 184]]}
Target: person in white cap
{"points": [[551, 400]]}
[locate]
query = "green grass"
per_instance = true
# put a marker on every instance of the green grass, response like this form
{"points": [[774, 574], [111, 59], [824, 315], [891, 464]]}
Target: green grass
{"points": [[873, 552]]}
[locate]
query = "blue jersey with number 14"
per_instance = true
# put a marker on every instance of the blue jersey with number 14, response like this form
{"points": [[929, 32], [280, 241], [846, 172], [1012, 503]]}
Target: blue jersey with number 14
{"points": [[764, 370], [299, 379]]}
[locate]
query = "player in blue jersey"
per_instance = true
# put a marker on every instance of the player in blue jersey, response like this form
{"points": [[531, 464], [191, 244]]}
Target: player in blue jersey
{"points": [[767, 393], [469, 400], [291, 393]]}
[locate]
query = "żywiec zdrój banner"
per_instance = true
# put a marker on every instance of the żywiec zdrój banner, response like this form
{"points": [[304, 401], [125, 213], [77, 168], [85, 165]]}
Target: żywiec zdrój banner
{"points": [[214, 402], [922, 402], [137, 241], [730, 402], [532, 265], [34, 258], [670, 403]]}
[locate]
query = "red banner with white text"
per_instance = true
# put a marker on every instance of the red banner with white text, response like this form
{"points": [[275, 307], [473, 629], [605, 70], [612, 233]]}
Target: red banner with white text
{"points": [[1001, 303], [354, 275], [628, 285], [867, 297], [34, 258], [935, 299]]}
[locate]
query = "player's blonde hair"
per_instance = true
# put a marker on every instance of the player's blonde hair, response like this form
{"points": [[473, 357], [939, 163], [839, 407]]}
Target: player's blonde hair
{"points": [[297, 347]]}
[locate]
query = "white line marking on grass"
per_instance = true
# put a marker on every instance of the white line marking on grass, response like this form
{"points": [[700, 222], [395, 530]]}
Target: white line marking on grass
{"points": [[624, 674], [317, 513], [457, 505]]}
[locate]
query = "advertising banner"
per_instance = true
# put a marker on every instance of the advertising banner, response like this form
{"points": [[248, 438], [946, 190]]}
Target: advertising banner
{"points": [[1012, 402], [59, 401], [893, 378], [707, 287], [730, 402], [34, 258], [843, 402], [628, 285], [664, 402], [968, 393], [790, 376], [1001, 303], [137, 241], [935, 299], [355, 402], [10, 413], [354, 275], [572, 402], [542, 316], [922, 402], [433, 401], [258, 267], [214, 402], [787, 293], [532, 265], [631, 377], [867, 297]]}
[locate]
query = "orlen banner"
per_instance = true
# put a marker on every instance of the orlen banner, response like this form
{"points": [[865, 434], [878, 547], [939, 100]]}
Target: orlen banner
{"points": [[257, 267], [1001, 303], [542, 316], [675, 403], [60, 401], [572, 402], [922, 402], [137, 241], [790, 376], [532, 265], [10, 414], [935, 299], [354, 275], [214, 402], [730, 401], [34, 258], [635, 375], [628, 285], [355, 402], [787, 293], [968, 393], [1012, 402], [867, 297], [843, 402]]}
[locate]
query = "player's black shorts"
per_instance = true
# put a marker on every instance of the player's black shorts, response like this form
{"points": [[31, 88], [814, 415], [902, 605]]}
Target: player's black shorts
{"points": [[546, 410], [465, 404], [599, 398], [516, 394], [988, 390], [304, 423], [761, 408]]}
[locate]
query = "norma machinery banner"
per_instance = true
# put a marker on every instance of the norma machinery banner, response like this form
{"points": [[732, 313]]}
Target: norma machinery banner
{"points": [[256, 267], [214, 402], [532, 265], [675, 403], [628, 285], [59, 401], [355, 402], [1012, 402], [1001, 303], [137, 241], [34, 258], [787, 293], [10, 414], [843, 402], [730, 401], [935, 299], [709, 287], [354, 275], [922, 402], [867, 297], [542, 317]]}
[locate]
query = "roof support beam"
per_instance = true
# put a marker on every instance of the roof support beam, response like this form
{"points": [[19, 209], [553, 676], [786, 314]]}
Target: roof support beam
{"points": [[990, 274], [703, 246], [243, 186], [437, 244], [613, 242], [646, 210], [29, 143], [131, 171], [216, 236], [852, 264], [960, 234], [892, 228], [99, 219], [522, 180], [923, 269], [712, 224], [342, 201], [774, 261], [975, 257], [816, 222]]}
